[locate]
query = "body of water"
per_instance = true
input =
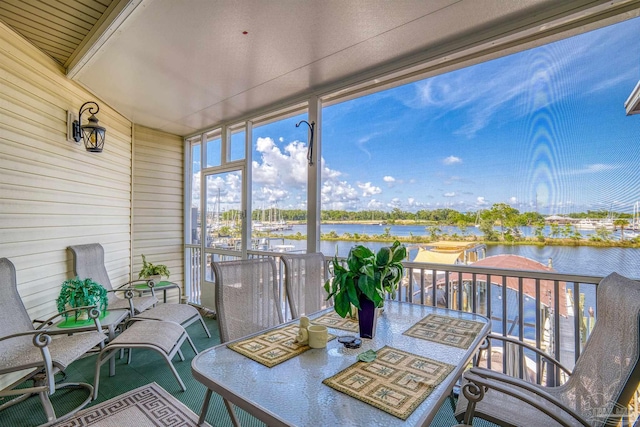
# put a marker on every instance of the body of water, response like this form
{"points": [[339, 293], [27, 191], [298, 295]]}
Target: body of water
{"points": [[583, 260]]}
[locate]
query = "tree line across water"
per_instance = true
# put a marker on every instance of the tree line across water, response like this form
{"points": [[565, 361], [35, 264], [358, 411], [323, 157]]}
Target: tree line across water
{"points": [[499, 223]]}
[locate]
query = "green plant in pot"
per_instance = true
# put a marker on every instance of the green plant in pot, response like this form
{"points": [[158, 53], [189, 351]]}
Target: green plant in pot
{"points": [[363, 282], [78, 292], [152, 271]]}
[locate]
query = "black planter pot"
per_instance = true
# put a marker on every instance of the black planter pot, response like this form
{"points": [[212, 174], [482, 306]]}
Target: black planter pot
{"points": [[367, 318]]}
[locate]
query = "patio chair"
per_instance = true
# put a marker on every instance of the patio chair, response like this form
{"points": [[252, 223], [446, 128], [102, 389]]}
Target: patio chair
{"points": [[604, 378], [34, 355], [246, 302], [88, 262], [246, 297], [305, 275]]}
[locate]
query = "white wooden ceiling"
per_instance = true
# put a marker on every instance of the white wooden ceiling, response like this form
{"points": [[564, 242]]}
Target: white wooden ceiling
{"points": [[185, 65]]}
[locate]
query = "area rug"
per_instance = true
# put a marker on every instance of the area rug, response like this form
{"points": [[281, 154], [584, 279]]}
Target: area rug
{"points": [[273, 347], [396, 382], [446, 330], [149, 405]]}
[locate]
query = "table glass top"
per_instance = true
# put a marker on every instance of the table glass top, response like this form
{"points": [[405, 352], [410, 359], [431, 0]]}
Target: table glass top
{"points": [[292, 392]]}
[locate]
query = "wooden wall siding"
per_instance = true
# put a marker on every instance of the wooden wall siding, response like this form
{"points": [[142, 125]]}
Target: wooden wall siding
{"points": [[53, 193], [158, 190]]}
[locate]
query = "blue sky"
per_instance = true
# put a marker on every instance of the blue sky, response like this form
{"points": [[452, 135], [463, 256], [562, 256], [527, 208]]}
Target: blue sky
{"points": [[544, 128]]}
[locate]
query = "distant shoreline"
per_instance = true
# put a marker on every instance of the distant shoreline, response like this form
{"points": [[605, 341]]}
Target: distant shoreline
{"points": [[424, 239]]}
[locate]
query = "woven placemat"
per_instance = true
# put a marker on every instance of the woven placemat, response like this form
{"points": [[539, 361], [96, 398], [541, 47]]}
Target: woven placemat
{"points": [[396, 382], [333, 320], [273, 347], [446, 330]]}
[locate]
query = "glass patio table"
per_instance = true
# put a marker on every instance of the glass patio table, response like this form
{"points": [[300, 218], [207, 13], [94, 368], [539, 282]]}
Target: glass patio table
{"points": [[292, 393]]}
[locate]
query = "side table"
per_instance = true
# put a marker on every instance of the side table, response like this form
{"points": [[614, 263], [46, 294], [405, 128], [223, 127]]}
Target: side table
{"points": [[163, 286]]}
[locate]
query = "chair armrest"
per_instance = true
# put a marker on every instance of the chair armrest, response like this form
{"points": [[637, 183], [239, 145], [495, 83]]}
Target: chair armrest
{"points": [[123, 289], [515, 387], [530, 347], [34, 332]]}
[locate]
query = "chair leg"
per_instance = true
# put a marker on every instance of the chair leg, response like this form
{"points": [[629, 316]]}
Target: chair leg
{"points": [[175, 373], [204, 325], [193, 347], [48, 407]]}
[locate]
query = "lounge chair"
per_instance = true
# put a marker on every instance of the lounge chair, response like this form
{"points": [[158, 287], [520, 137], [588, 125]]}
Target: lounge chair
{"points": [[36, 355], [88, 261]]}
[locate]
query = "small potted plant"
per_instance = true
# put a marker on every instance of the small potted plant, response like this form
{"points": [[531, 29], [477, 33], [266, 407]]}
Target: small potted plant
{"points": [[363, 282], [78, 292], [153, 271]]}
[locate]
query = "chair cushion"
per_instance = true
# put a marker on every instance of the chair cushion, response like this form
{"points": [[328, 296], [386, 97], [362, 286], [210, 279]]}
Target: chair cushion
{"points": [[64, 349], [163, 335]]}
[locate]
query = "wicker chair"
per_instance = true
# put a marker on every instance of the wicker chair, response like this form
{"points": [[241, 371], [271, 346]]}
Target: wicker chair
{"points": [[246, 302], [33, 355], [305, 275], [602, 383]]}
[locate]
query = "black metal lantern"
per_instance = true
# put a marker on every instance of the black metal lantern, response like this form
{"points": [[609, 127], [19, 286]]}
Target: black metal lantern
{"points": [[92, 133]]}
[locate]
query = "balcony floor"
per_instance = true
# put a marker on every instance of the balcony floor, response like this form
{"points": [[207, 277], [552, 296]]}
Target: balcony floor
{"points": [[146, 367]]}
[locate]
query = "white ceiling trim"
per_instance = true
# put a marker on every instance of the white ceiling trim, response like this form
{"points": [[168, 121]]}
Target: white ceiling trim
{"points": [[108, 24]]}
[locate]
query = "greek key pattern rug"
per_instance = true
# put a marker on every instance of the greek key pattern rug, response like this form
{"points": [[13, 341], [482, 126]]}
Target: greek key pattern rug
{"points": [[149, 405], [446, 330], [273, 347], [333, 320], [396, 382]]}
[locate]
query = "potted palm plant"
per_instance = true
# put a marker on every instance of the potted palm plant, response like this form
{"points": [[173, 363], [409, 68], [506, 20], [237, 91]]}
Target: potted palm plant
{"points": [[363, 281], [151, 271], [78, 292]]}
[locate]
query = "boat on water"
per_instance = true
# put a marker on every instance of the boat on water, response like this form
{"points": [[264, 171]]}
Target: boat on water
{"points": [[594, 224]]}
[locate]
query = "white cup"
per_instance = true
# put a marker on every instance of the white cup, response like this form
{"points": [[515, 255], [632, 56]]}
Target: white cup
{"points": [[318, 336]]}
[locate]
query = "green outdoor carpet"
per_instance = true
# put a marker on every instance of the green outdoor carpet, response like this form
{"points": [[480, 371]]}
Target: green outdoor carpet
{"points": [[147, 367]]}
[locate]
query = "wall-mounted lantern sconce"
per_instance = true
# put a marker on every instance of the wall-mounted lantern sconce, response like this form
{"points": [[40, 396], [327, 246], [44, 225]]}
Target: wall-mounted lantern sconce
{"points": [[92, 133], [310, 146]]}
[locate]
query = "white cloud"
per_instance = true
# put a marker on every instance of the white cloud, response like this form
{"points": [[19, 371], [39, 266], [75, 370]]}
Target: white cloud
{"points": [[450, 194], [280, 168], [480, 201], [451, 160], [338, 195], [513, 200], [375, 204], [388, 179], [368, 189], [395, 203]]}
